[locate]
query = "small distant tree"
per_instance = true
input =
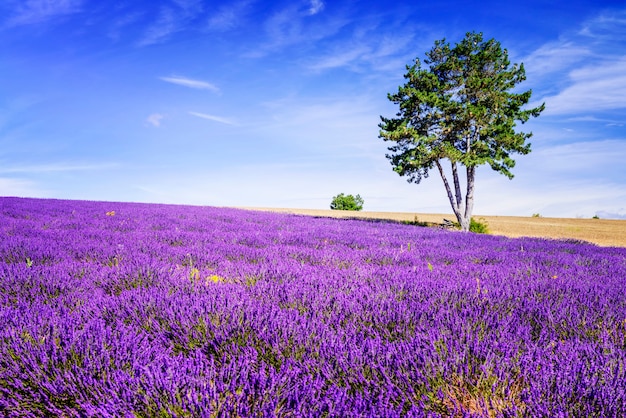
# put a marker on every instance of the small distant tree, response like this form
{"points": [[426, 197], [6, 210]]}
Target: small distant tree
{"points": [[347, 202], [460, 108]]}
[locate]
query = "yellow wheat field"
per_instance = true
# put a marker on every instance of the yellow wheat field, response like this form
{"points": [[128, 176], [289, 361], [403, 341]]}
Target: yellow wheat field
{"points": [[604, 232]]}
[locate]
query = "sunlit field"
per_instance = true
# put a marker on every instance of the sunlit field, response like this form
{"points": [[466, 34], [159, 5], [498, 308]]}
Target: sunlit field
{"points": [[120, 309], [604, 232]]}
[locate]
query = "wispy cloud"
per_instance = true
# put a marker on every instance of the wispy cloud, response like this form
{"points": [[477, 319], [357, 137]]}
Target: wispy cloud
{"points": [[284, 28], [617, 214], [315, 7], [365, 51], [572, 198], [555, 56], [600, 157], [297, 25], [597, 87], [171, 20], [38, 11], [59, 167], [166, 24], [19, 187], [187, 82], [584, 72], [228, 17], [567, 193], [609, 25], [190, 7], [340, 58], [213, 118], [606, 121], [155, 119]]}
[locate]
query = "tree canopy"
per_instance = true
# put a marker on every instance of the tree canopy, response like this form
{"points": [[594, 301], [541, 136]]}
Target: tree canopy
{"points": [[346, 202], [460, 106]]}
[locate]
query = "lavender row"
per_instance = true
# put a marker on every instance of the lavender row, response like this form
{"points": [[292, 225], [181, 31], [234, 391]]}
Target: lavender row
{"points": [[119, 309]]}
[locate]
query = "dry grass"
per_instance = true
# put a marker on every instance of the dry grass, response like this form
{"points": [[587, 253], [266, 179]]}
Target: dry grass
{"points": [[605, 232]]}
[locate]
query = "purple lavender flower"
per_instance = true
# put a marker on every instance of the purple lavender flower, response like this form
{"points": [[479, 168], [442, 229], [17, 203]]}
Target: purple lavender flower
{"points": [[120, 309]]}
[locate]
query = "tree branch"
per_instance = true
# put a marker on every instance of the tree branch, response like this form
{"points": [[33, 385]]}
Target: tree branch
{"points": [[457, 186]]}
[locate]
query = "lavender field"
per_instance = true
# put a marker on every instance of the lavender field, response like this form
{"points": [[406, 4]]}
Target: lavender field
{"points": [[119, 309]]}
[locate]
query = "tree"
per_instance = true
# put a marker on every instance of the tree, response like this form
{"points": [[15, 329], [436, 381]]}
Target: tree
{"points": [[349, 202], [460, 108]]}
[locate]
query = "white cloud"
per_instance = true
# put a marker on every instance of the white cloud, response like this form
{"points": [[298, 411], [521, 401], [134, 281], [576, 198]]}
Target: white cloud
{"points": [[294, 26], [564, 180], [19, 188], [155, 119], [59, 167], [187, 82], [606, 121], [171, 20], [554, 57], [190, 7], [284, 28], [594, 158], [213, 118], [569, 198], [584, 71], [228, 17], [167, 24], [597, 87], [38, 11], [371, 49], [316, 6], [608, 25], [341, 58], [612, 214]]}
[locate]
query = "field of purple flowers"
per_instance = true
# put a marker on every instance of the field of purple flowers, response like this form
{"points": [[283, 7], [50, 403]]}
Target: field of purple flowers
{"points": [[120, 309]]}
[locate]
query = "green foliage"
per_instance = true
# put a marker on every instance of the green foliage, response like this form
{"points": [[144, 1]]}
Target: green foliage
{"points": [[347, 202], [478, 226], [415, 222], [459, 107], [536, 215], [595, 217]]}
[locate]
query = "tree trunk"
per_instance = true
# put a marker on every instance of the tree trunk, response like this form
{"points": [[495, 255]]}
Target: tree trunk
{"points": [[469, 197], [463, 213]]}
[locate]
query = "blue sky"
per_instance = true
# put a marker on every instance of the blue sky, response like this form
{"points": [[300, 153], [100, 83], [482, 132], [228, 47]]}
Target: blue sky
{"points": [[277, 104]]}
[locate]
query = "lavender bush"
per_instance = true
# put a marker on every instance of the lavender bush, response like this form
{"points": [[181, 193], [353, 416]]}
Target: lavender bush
{"points": [[119, 309]]}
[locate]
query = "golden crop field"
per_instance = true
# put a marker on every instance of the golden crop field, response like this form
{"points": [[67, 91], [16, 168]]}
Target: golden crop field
{"points": [[604, 232]]}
